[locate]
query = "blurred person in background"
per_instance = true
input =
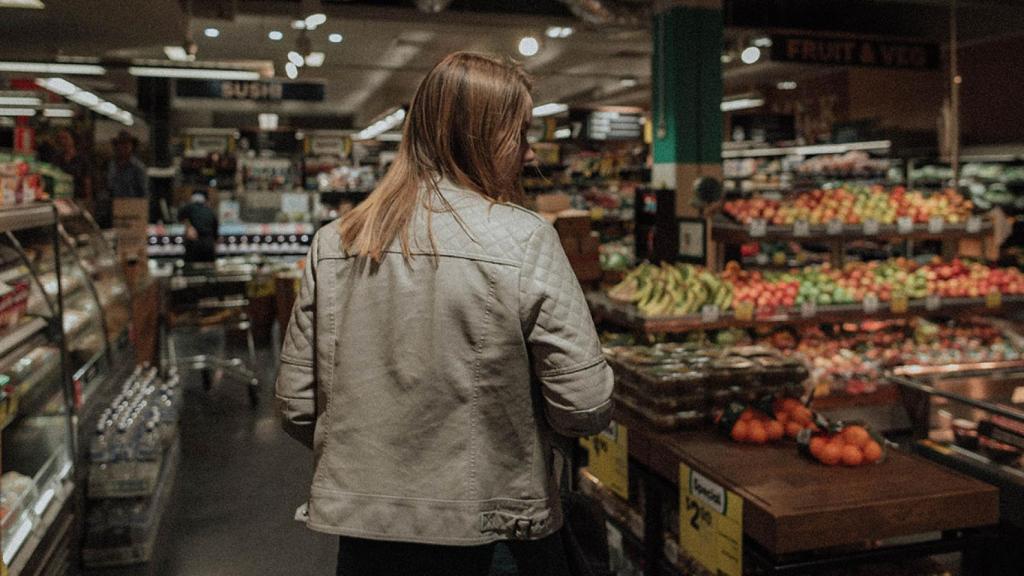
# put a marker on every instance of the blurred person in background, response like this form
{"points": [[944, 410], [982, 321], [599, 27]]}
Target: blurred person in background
{"points": [[71, 160], [126, 176], [201, 228]]}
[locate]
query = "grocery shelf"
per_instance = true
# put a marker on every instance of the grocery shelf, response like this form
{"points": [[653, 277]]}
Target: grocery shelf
{"points": [[627, 316], [29, 216], [731, 232]]}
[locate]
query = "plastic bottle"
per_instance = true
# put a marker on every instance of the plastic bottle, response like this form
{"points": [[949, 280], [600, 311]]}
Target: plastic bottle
{"points": [[99, 447]]}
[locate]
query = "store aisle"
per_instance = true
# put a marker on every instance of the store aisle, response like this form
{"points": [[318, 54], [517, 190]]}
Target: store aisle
{"points": [[239, 482]]}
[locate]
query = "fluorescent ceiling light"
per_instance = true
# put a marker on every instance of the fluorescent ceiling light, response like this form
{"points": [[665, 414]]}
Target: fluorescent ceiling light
{"points": [[750, 54], [17, 112], [296, 58], [529, 46], [563, 133], [19, 99], [763, 42], [314, 20], [389, 122], [52, 68], [178, 54], [549, 109], [34, 4], [196, 73], [58, 112], [726, 58], [85, 98], [291, 70], [315, 59], [628, 81], [106, 108], [880, 145], [298, 24], [58, 86], [211, 33], [335, 38], [786, 85], [275, 35], [741, 104], [558, 32], [268, 121]]}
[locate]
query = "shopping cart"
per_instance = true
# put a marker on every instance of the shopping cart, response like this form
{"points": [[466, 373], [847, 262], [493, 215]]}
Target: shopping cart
{"points": [[204, 302]]}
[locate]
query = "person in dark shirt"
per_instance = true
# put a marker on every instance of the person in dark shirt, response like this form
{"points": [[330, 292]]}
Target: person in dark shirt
{"points": [[75, 164], [126, 176], [200, 229]]}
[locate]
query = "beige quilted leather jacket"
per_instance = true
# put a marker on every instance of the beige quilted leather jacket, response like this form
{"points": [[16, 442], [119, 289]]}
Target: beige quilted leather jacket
{"points": [[432, 392]]}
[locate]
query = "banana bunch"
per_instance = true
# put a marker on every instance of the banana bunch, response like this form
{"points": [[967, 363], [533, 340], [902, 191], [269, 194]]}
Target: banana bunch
{"points": [[672, 290]]}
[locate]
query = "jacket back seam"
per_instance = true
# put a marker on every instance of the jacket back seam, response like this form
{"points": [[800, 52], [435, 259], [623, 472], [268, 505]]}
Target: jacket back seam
{"points": [[444, 254]]}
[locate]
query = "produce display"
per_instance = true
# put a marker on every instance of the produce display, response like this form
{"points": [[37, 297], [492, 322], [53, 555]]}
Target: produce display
{"points": [[853, 205], [766, 421], [847, 445], [681, 385], [674, 290]]}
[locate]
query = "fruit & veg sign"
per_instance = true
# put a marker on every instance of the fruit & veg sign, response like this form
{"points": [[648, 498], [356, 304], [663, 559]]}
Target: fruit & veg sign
{"points": [[710, 523], [843, 51], [608, 458]]}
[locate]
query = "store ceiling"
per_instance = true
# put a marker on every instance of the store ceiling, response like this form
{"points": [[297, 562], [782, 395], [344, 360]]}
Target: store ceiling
{"points": [[388, 45]]}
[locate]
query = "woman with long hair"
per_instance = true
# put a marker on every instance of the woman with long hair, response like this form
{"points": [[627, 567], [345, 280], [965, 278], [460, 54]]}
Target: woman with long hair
{"points": [[441, 349]]}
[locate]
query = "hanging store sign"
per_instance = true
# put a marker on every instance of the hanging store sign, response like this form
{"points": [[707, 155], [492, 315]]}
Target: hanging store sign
{"points": [[254, 90], [855, 52]]}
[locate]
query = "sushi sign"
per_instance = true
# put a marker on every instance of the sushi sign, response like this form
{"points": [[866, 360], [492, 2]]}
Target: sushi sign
{"points": [[250, 90], [845, 51]]}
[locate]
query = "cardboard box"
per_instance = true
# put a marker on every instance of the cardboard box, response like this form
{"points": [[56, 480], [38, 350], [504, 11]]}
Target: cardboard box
{"points": [[131, 219], [573, 225], [553, 202]]}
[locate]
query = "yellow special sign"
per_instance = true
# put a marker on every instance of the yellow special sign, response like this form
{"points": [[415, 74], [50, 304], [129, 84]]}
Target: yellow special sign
{"points": [[710, 523], [608, 458]]}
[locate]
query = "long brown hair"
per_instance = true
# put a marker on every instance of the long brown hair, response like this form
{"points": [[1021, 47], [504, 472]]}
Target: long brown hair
{"points": [[466, 124]]}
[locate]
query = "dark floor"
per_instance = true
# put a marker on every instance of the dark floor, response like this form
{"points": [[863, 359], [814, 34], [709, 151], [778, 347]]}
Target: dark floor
{"points": [[237, 487]]}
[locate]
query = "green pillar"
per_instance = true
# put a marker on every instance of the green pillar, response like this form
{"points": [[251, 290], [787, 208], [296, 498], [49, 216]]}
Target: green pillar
{"points": [[687, 96]]}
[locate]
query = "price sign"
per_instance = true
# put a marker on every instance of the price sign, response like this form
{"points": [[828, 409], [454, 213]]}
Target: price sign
{"points": [[710, 523], [809, 309], [801, 228], [758, 228], [994, 299], [608, 458], [744, 310], [904, 225], [834, 227], [974, 224], [870, 304], [933, 302], [898, 304], [870, 227], [936, 224], [709, 313]]}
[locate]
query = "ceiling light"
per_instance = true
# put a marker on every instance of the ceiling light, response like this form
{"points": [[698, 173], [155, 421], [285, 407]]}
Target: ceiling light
{"points": [[268, 121], [726, 58], [36, 4], [750, 54], [178, 54], [107, 108], [744, 103], [275, 35], [17, 112], [291, 70], [298, 24], [549, 109], [315, 59], [628, 81], [196, 73], [211, 32], [553, 31], [762, 42], [85, 98], [786, 85], [389, 122], [296, 58], [19, 99], [52, 68], [58, 113], [57, 86], [335, 38], [566, 32], [314, 20], [529, 46], [563, 133]]}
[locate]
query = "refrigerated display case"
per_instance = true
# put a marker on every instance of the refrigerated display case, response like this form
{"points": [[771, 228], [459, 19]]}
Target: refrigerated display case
{"points": [[36, 437]]}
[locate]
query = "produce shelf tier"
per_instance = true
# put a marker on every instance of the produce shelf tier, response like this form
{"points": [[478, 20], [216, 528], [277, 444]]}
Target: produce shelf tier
{"points": [[728, 231], [792, 504], [626, 316], [27, 216]]}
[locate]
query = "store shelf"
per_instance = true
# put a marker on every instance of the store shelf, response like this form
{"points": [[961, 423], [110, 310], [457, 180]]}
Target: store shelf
{"points": [[13, 337], [730, 232], [29, 216], [628, 316]]}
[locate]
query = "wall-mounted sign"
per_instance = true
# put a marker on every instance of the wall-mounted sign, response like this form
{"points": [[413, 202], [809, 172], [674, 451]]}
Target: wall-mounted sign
{"points": [[614, 126], [207, 143], [258, 90], [855, 52], [329, 145]]}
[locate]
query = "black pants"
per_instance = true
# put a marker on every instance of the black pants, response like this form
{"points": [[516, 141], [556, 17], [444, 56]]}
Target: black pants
{"points": [[357, 557]]}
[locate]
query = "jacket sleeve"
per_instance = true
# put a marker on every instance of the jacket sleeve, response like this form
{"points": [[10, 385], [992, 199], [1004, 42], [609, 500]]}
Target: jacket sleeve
{"points": [[564, 348], [295, 390]]}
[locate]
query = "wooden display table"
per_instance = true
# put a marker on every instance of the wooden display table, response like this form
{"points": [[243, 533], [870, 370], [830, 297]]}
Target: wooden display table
{"points": [[793, 505]]}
